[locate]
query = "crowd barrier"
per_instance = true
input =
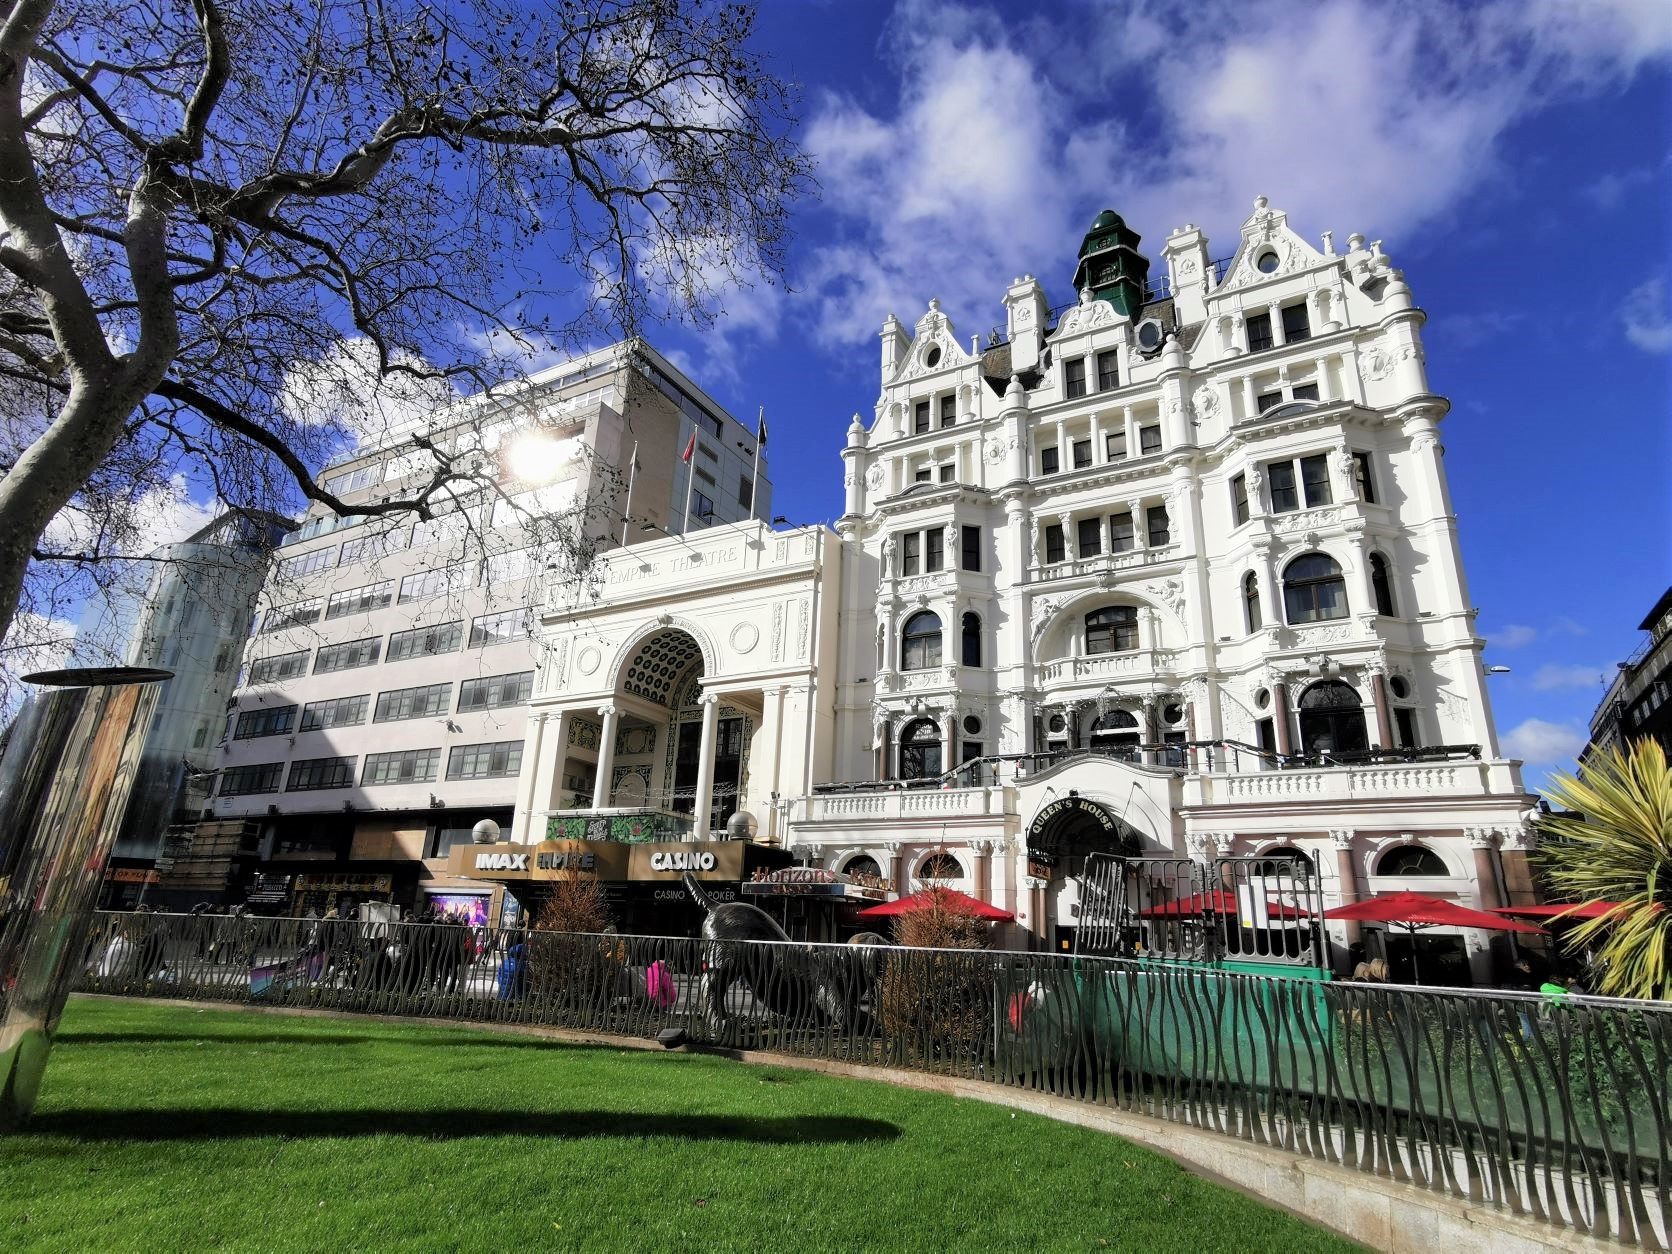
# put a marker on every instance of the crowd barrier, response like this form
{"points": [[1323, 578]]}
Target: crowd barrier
{"points": [[1556, 1108]]}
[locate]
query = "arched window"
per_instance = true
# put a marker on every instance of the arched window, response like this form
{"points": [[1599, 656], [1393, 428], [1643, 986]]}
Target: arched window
{"points": [[920, 749], [1332, 719], [1411, 860], [1251, 600], [1313, 589], [939, 867], [1115, 730], [1286, 860], [862, 864], [921, 641], [970, 649], [1379, 584], [1113, 629]]}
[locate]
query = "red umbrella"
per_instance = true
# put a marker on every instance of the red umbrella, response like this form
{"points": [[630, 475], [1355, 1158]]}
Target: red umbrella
{"points": [[1415, 910], [1219, 901], [1559, 910], [945, 896]]}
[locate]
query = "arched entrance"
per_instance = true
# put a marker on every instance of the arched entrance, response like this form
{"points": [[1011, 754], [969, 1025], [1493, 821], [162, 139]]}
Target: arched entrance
{"points": [[1059, 838]]}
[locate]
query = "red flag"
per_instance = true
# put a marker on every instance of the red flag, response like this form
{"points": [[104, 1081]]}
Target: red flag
{"points": [[690, 448]]}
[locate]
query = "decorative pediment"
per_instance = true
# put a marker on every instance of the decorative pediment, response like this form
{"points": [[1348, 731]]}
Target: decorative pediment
{"points": [[1088, 315], [934, 347], [1269, 250]]}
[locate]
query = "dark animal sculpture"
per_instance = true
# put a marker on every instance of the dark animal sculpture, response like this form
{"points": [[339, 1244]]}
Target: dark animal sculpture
{"points": [[790, 980]]}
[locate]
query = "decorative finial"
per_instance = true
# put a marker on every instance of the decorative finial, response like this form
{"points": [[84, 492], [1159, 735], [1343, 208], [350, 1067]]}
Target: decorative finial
{"points": [[1085, 295], [934, 304], [1260, 202]]}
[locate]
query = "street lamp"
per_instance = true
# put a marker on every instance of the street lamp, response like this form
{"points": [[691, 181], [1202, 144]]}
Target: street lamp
{"points": [[1497, 670]]}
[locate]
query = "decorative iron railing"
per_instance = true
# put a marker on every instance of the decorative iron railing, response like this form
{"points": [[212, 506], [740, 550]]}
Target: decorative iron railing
{"points": [[1556, 1108]]}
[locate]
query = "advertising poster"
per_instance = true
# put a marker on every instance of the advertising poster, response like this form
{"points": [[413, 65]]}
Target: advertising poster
{"points": [[472, 908]]}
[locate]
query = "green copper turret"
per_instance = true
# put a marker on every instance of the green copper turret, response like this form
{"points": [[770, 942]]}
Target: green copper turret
{"points": [[1111, 265]]}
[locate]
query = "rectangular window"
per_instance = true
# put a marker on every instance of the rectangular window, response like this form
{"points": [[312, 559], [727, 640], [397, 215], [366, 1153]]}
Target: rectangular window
{"points": [[1296, 327], [1088, 537], [1284, 496], [285, 666], [911, 550], [1108, 371], [922, 475], [485, 761], [1114, 445], [244, 781], [496, 692], [1259, 332], [425, 641], [948, 472], [298, 615], [447, 530], [354, 480], [506, 568], [1149, 439], [403, 703], [407, 766], [934, 550], [1314, 475], [1239, 498], [702, 508], [948, 409], [1268, 400], [431, 583], [1074, 377], [501, 628], [970, 557], [1361, 473], [1082, 454], [312, 774], [1405, 726], [274, 722], [342, 712], [920, 417], [348, 655], [305, 564], [1120, 533], [1156, 519], [1053, 543], [370, 548], [1304, 391], [1047, 461], [374, 596], [746, 493]]}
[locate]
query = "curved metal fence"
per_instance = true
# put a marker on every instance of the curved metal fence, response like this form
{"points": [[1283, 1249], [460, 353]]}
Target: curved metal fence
{"points": [[1553, 1107]]}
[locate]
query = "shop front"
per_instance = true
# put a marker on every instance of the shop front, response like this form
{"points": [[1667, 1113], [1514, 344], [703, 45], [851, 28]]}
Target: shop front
{"points": [[642, 882], [813, 904]]}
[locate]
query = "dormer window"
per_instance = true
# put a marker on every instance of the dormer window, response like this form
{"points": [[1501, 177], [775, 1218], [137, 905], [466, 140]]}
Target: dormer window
{"points": [[920, 418], [1259, 332], [1074, 377], [948, 409], [1296, 326]]}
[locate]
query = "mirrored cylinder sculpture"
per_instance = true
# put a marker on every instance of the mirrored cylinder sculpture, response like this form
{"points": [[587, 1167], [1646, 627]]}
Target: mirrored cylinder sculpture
{"points": [[66, 768]]}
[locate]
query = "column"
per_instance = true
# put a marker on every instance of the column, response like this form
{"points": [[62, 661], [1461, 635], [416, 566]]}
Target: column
{"points": [[1065, 460], [1140, 535], [1152, 733], [606, 757], [1275, 313], [983, 851], [897, 867], [1070, 541], [1482, 842], [710, 702], [548, 779], [1346, 874], [1384, 722], [1098, 457], [1131, 426], [775, 779], [1280, 716], [1239, 333], [522, 818], [949, 735]]}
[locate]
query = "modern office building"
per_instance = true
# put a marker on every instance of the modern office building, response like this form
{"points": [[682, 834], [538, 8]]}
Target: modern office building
{"points": [[192, 619], [382, 710], [1638, 702], [1169, 568]]}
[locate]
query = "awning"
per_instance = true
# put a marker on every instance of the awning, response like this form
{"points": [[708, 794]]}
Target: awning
{"points": [[1560, 911], [944, 896], [1414, 910], [1220, 901]]}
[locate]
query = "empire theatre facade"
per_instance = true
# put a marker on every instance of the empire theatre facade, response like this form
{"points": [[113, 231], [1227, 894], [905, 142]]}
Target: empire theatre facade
{"points": [[1171, 568]]}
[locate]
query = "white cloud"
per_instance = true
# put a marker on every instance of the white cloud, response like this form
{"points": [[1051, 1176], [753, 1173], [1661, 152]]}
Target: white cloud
{"points": [[1539, 743], [346, 390], [163, 513], [1513, 636], [1647, 315], [1611, 190], [1551, 677], [1363, 115], [36, 642]]}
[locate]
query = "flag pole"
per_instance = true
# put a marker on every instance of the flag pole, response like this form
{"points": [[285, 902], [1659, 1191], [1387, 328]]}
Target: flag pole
{"points": [[755, 490], [627, 511], [690, 461]]}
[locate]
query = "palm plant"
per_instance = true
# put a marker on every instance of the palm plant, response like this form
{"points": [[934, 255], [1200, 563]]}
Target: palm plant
{"points": [[1617, 847]]}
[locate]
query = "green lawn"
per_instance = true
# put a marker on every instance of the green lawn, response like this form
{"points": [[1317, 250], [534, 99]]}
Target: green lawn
{"points": [[165, 1129]]}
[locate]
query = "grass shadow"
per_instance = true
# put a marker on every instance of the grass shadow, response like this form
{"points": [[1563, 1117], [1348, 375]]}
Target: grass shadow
{"points": [[232, 1123], [206, 1034]]}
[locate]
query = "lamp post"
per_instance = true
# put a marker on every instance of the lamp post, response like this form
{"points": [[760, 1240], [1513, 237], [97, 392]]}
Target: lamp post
{"points": [[66, 771]]}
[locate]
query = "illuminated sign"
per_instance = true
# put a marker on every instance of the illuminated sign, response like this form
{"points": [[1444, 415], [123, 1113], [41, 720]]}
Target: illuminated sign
{"points": [[502, 862]]}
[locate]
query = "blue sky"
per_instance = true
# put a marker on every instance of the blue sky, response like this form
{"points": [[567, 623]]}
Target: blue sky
{"points": [[1515, 159]]}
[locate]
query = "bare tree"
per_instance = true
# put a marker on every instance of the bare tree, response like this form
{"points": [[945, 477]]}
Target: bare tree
{"points": [[200, 201]]}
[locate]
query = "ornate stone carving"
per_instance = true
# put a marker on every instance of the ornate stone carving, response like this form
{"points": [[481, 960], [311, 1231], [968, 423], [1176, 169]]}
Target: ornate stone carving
{"points": [[995, 451], [1342, 837], [1170, 592], [1087, 315], [874, 476], [1480, 837], [1205, 403]]}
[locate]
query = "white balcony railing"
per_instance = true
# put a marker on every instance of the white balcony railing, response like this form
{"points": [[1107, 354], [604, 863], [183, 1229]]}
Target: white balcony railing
{"points": [[918, 803]]}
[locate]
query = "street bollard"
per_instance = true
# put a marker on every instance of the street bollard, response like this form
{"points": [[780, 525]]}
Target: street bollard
{"points": [[66, 768]]}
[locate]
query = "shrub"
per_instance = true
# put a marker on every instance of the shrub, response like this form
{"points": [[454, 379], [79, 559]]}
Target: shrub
{"points": [[935, 1003]]}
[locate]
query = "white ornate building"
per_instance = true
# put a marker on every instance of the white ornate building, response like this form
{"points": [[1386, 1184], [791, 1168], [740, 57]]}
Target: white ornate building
{"points": [[1179, 553]]}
